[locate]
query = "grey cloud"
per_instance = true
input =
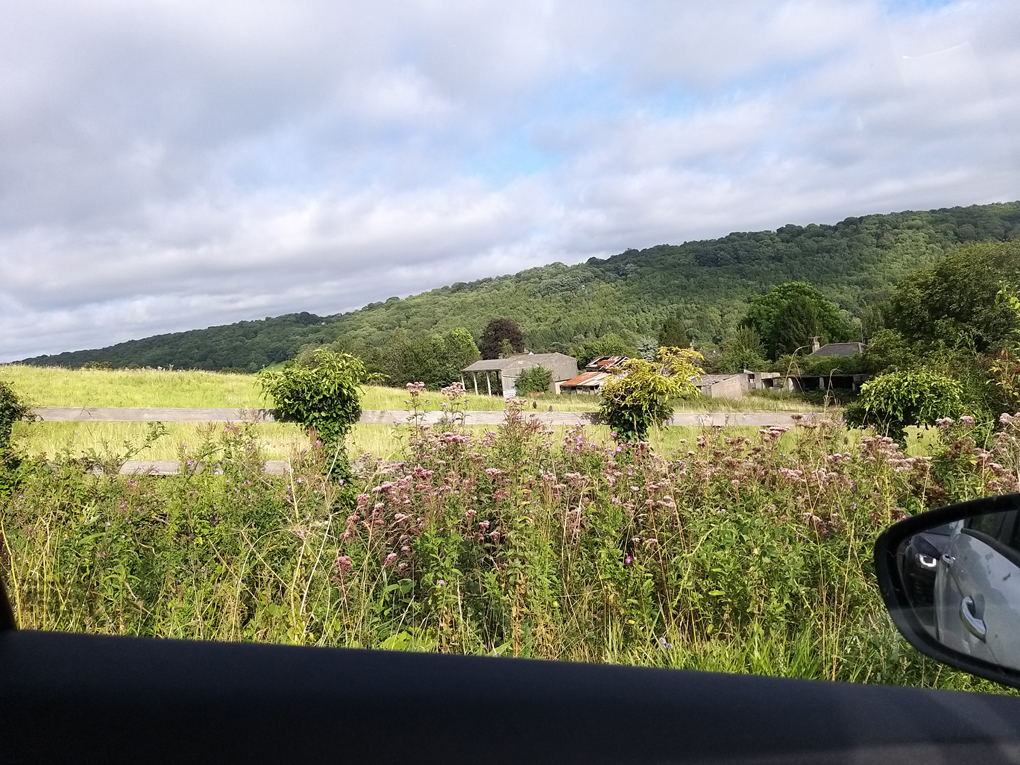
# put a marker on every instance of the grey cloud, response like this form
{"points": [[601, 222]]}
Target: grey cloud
{"points": [[181, 164]]}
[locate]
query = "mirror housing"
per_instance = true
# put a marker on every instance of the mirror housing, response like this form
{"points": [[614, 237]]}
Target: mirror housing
{"points": [[951, 581]]}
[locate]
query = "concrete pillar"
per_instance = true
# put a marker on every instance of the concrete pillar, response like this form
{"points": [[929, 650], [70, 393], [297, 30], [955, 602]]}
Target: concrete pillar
{"points": [[474, 379], [488, 384]]}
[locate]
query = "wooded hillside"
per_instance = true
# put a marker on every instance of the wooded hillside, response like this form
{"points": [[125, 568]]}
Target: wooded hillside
{"points": [[708, 284]]}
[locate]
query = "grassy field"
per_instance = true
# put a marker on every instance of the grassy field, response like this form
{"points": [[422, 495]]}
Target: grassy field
{"points": [[702, 550], [279, 440], [53, 386], [46, 386]]}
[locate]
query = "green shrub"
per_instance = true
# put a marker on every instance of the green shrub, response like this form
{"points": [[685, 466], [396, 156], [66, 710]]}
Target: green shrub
{"points": [[12, 409], [892, 401], [324, 394], [534, 380], [639, 397]]}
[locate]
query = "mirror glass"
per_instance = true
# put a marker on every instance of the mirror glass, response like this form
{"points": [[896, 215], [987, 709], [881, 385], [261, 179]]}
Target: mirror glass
{"points": [[963, 582]]}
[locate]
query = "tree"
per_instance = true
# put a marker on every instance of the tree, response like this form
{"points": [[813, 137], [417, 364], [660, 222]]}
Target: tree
{"points": [[674, 334], [954, 304], [325, 395], [640, 393], [795, 326], [872, 321], [435, 359], [495, 332], [537, 379], [822, 318], [742, 350], [607, 345], [888, 351], [892, 401]]}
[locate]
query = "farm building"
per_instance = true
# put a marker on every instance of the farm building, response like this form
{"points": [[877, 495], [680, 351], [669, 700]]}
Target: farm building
{"points": [[836, 349], [492, 376], [595, 373], [721, 386]]}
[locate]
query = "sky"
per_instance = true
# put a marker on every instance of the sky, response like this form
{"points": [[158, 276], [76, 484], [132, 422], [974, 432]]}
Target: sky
{"points": [[177, 164]]}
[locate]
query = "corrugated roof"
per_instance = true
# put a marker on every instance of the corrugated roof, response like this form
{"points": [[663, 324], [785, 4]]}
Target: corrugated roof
{"points": [[605, 362], [586, 379], [531, 359]]}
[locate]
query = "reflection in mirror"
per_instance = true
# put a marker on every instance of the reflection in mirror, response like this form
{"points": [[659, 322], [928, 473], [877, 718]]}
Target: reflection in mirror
{"points": [[963, 583]]}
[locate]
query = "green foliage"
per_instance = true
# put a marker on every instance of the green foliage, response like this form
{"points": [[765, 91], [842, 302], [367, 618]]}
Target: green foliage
{"points": [[795, 327], [247, 345], [639, 395], [872, 321], [499, 337], [325, 395], [739, 554], [892, 401], [853, 262], [888, 351], [674, 334], [12, 409], [741, 350], [537, 379], [607, 345], [789, 315], [435, 359], [955, 304]]}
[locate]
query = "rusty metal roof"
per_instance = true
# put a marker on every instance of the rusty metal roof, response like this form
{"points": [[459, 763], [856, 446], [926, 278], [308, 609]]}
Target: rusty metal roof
{"points": [[586, 380]]}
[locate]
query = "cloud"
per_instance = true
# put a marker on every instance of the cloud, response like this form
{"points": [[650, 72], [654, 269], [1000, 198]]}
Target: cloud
{"points": [[175, 165]]}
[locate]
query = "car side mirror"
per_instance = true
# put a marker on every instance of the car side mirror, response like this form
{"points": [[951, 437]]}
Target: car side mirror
{"points": [[951, 581]]}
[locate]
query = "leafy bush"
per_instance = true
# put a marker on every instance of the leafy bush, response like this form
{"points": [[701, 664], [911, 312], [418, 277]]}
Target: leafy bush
{"points": [[534, 380], [12, 409], [892, 401], [639, 396], [325, 394]]}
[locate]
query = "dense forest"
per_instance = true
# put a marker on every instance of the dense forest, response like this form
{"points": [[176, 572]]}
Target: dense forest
{"points": [[707, 285]]}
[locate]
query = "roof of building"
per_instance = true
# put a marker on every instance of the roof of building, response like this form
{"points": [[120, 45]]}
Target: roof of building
{"points": [[600, 363], [532, 359], [712, 379], [586, 380], [840, 349]]}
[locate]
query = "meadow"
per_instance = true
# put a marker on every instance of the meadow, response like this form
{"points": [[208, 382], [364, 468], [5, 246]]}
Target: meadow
{"points": [[745, 552], [739, 550], [54, 386]]}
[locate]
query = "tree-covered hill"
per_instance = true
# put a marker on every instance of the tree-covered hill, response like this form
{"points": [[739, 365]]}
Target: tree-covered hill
{"points": [[707, 284]]}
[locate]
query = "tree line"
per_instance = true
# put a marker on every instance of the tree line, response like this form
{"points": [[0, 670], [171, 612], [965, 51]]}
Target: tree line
{"points": [[622, 303]]}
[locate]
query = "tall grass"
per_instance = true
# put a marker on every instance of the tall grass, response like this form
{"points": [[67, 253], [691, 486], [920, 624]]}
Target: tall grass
{"points": [[734, 552], [55, 386]]}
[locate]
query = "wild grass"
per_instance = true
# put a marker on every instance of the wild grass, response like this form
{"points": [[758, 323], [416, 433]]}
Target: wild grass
{"points": [[54, 386], [746, 552], [74, 440]]}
